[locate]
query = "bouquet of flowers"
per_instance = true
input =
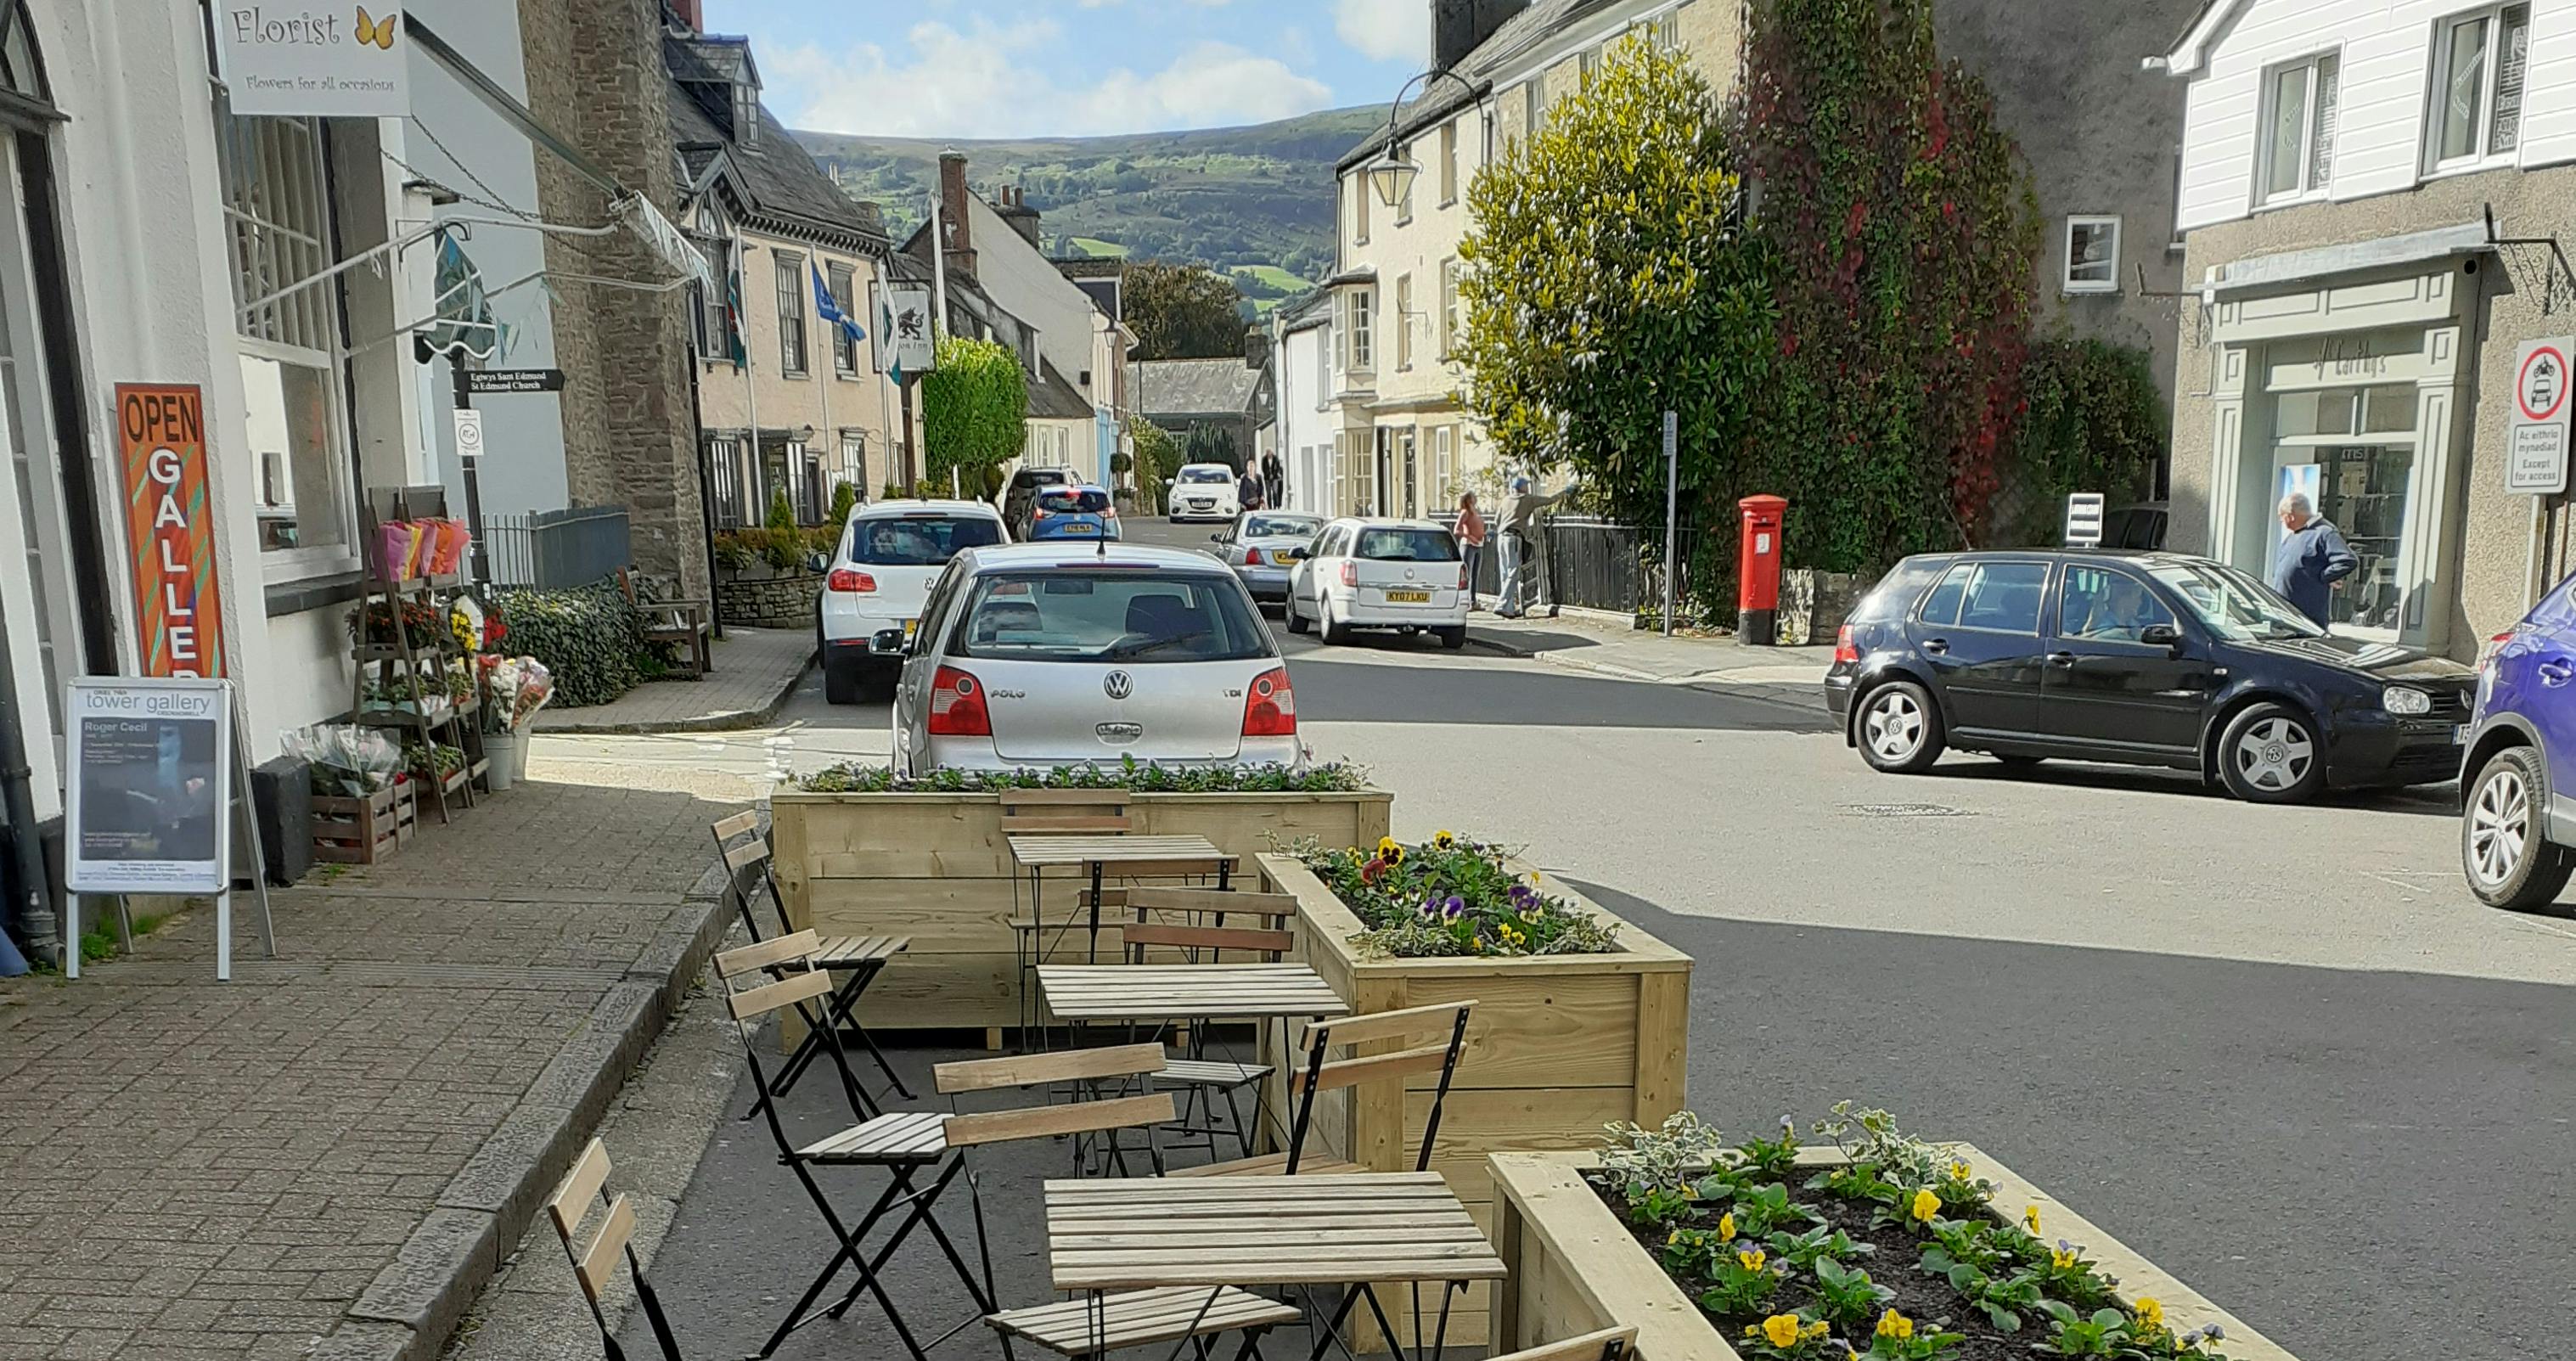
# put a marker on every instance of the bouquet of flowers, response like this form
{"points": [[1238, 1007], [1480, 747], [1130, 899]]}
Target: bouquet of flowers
{"points": [[347, 761], [519, 687]]}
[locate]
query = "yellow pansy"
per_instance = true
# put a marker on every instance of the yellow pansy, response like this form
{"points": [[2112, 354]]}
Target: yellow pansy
{"points": [[1751, 1261], [1443, 840], [1782, 1329], [1926, 1205], [1818, 1329], [1895, 1325], [2149, 1312], [1689, 1192], [2062, 1258], [2030, 1217], [1726, 1227], [1960, 1171]]}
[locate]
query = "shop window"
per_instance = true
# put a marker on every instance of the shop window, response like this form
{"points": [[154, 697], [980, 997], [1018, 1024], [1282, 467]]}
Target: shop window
{"points": [[2479, 61], [277, 215], [2362, 489], [2300, 104], [791, 314], [2092, 255]]}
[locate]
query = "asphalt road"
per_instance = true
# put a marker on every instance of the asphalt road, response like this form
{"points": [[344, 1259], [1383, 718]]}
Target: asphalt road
{"points": [[2279, 1050]]}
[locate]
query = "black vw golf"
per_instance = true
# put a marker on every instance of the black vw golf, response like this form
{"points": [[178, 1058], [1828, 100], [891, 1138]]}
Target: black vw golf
{"points": [[2140, 658]]}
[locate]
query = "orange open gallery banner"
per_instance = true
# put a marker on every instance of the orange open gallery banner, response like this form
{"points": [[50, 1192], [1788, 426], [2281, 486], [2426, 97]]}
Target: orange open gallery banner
{"points": [[170, 528]]}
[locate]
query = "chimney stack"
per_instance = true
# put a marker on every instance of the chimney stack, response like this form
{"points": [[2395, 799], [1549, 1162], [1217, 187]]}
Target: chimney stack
{"points": [[953, 203], [1458, 27], [689, 14]]}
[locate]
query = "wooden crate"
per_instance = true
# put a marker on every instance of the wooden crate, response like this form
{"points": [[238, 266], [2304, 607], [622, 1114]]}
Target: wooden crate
{"points": [[1557, 1047], [936, 867], [1575, 1267], [353, 831]]}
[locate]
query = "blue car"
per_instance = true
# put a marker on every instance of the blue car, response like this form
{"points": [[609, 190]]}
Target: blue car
{"points": [[2518, 826], [1084, 513]]}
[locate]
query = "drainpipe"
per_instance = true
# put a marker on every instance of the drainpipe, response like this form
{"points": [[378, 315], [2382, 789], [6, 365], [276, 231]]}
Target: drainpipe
{"points": [[33, 903]]}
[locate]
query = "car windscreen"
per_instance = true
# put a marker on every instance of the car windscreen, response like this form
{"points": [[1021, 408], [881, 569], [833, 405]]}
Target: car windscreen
{"points": [[1218, 475], [1281, 527], [1110, 614], [1088, 500], [919, 540], [2233, 605], [1406, 545]]}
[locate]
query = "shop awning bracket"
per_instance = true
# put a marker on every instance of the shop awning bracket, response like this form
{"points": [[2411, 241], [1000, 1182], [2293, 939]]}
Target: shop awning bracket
{"points": [[2557, 279]]}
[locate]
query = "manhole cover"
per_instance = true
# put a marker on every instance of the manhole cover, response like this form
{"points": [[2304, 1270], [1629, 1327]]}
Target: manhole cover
{"points": [[1906, 810]]}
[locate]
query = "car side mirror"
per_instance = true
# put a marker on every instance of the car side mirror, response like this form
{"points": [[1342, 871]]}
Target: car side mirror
{"points": [[2160, 635], [1295, 555], [820, 562]]}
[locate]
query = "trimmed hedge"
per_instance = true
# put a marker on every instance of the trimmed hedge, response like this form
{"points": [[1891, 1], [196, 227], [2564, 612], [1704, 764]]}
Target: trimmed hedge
{"points": [[590, 637]]}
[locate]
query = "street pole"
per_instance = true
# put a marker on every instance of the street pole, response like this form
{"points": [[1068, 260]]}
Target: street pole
{"points": [[1672, 510], [755, 509], [482, 567], [911, 453]]}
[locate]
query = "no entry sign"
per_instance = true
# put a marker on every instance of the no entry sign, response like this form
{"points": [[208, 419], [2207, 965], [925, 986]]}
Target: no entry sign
{"points": [[2536, 442]]}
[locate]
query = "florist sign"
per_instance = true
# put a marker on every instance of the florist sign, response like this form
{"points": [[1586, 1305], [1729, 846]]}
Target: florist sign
{"points": [[294, 60]]}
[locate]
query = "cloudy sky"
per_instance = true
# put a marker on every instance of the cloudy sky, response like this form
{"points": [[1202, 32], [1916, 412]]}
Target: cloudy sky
{"points": [[1019, 68]]}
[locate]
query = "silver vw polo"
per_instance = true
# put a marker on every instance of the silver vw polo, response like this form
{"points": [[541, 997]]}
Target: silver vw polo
{"points": [[1048, 654]]}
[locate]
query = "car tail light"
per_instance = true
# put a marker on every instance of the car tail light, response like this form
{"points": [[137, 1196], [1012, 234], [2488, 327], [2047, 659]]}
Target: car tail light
{"points": [[850, 581], [1252, 557], [957, 705], [1845, 650], [2492, 646], [1270, 707], [1350, 574]]}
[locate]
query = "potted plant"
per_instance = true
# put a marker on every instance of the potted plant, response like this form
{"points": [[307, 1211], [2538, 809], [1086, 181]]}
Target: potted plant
{"points": [[516, 688]]}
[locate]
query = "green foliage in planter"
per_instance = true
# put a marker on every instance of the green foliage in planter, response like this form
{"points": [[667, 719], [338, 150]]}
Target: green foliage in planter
{"points": [[589, 637], [975, 408], [782, 513], [853, 777], [845, 498], [893, 491], [2096, 421], [1453, 896], [783, 550]]}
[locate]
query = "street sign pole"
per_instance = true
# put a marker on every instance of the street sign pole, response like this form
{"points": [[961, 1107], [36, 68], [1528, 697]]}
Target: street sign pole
{"points": [[1672, 512], [471, 461]]}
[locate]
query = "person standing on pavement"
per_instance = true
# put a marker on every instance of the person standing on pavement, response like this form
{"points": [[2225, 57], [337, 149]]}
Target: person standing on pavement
{"points": [[1471, 538], [1247, 492], [2311, 560], [1521, 539], [1273, 479]]}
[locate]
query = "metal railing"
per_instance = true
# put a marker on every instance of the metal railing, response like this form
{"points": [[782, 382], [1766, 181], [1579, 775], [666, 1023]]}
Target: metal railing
{"points": [[557, 549], [1595, 564]]}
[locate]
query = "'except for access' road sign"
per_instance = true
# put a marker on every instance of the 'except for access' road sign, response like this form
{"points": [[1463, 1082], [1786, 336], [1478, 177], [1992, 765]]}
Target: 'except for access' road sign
{"points": [[2536, 435], [514, 380]]}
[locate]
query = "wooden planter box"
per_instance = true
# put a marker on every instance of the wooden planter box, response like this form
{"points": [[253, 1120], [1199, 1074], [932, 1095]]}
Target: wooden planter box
{"points": [[362, 831], [1575, 1266], [1558, 1047], [936, 867]]}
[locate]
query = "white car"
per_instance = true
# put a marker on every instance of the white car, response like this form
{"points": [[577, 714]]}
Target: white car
{"points": [[1381, 574], [874, 584], [1050, 654], [1203, 491]]}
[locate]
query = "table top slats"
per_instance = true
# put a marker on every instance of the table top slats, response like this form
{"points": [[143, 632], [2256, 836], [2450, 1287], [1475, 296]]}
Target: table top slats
{"points": [[1120, 992], [1305, 1230], [1039, 850]]}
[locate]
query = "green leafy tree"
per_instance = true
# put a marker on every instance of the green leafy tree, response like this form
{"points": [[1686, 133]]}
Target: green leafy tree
{"points": [[782, 512], [1907, 228], [975, 409], [1609, 278], [2094, 421], [1182, 312], [1158, 456]]}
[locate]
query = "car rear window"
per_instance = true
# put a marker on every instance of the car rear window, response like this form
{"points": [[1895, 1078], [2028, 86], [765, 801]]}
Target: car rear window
{"points": [[2004, 597], [1110, 614], [1218, 475], [1407, 545], [1091, 500], [1896, 591], [919, 540], [1281, 527]]}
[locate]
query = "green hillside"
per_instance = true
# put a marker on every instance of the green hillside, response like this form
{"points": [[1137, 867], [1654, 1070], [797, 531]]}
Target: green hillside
{"points": [[1254, 197]]}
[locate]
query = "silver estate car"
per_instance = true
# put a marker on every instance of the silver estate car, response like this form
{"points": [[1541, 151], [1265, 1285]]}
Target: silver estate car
{"points": [[1257, 544], [1047, 654]]}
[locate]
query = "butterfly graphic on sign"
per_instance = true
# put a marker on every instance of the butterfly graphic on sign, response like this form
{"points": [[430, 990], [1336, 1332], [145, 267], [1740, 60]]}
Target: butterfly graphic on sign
{"points": [[377, 31]]}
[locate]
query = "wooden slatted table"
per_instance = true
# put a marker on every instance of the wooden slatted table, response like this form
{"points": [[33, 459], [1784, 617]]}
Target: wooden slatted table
{"points": [[1190, 992], [1356, 1231], [1102, 856]]}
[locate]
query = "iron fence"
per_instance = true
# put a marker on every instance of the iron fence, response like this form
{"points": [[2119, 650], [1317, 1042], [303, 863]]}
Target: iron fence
{"points": [[1596, 564], [557, 549]]}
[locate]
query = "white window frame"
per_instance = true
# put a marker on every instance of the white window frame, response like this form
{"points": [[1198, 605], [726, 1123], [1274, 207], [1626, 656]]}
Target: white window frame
{"points": [[2483, 154], [1449, 163], [2066, 272], [1403, 323], [1451, 326], [1359, 353], [1444, 464], [1360, 208], [845, 351], [1404, 206], [791, 284], [2313, 182], [1534, 104]]}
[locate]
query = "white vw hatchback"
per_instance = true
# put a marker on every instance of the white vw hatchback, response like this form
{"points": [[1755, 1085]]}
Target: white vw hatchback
{"points": [[1050, 654], [874, 584], [1405, 575]]}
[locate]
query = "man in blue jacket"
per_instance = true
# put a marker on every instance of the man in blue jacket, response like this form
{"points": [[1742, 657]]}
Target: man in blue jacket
{"points": [[2308, 563]]}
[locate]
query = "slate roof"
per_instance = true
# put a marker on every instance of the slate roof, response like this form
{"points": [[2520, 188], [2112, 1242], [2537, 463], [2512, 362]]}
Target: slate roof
{"points": [[1195, 387], [784, 188], [1476, 71], [1307, 308], [1051, 398]]}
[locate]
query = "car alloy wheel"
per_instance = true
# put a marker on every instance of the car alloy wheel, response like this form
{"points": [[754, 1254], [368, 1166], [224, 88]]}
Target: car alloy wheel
{"points": [[2274, 755], [2499, 826], [1893, 726]]}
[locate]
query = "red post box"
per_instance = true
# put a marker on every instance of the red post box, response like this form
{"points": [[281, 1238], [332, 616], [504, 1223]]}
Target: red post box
{"points": [[1757, 571]]}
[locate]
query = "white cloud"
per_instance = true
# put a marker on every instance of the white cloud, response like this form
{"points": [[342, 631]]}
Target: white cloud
{"points": [[1385, 30], [982, 84]]}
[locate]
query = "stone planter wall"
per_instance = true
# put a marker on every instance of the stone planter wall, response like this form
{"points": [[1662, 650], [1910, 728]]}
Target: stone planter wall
{"points": [[1813, 605], [762, 598], [1575, 1267]]}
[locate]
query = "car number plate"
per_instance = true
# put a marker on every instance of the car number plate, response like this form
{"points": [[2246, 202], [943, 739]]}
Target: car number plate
{"points": [[2459, 734], [1083, 528], [1409, 597]]}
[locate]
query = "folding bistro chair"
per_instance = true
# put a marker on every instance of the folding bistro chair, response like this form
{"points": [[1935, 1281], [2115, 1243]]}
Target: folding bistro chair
{"points": [[1205, 1079], [1318, 1075], [582, 1190], [854, 960], [906, 1144]]}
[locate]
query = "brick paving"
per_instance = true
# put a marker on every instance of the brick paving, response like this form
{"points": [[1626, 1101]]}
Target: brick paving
{"points": [[325, 1157], [754, 671]]}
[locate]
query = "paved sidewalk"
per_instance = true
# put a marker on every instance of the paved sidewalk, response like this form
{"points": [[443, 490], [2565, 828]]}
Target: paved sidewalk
{"points": [[1790, 675], [326, 1157], [755, 671]]}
